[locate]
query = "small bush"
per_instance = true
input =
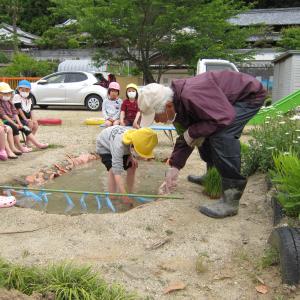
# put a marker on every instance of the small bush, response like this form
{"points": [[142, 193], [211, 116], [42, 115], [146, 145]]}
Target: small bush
{"points": [[212, 183], [3, 58], [276, 135], [64, 281], [24, 65], [286, 178]]}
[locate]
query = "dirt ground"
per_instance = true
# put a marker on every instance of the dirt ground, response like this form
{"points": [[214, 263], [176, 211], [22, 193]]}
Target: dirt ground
{"points": [[151, 247]]}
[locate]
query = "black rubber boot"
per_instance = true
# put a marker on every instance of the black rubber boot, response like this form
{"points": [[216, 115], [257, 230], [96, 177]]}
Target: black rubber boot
{"points": [[196, 179], [228, 205], [199, 179]]}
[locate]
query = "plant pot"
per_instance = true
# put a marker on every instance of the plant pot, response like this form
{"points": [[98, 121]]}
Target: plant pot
{"points": [[286, 240]]}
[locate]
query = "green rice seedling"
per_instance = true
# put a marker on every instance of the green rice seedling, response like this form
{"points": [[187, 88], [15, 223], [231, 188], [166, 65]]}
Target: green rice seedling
{"points": [[212, 183], [286, 177]]}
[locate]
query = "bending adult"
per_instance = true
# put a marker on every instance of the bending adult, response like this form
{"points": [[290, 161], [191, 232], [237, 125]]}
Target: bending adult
{"points": [[209, 111]]}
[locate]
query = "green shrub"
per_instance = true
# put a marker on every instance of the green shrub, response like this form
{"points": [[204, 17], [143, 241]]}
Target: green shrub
{"points": [[3, 58], [64, 281], [24, 65], [212, 183], [286, 177], [276, 135]]}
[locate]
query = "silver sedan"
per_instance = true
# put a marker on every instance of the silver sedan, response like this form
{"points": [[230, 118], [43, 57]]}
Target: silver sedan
{"points": [[68, 88]]}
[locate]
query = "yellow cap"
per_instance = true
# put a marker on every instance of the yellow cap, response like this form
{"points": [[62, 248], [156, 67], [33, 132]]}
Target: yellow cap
{"points": [[132, 85], [5, 88], [143, 140]]}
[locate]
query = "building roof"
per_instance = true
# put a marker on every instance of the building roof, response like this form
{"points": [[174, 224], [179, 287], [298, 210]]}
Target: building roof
{"points": [[25, 38], [67, 23], [274, 16], [286, 55]]}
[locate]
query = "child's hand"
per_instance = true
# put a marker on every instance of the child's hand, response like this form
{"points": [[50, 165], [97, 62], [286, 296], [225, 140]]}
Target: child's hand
{"points": [[122, 123], [133, 161], [128, 201], [136, 125]]}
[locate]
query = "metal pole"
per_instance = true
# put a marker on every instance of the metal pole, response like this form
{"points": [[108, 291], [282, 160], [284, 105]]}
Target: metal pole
{"points": [[90, 193]]}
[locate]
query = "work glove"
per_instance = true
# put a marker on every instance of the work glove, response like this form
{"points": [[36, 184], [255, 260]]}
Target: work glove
{"points": [[170, 182], [192, 142]]}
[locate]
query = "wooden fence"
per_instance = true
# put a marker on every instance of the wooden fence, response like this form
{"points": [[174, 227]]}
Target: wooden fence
{"points": [[13, 81]]}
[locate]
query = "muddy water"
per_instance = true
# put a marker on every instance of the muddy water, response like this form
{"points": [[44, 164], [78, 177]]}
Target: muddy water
{"points": [[93, 177]]}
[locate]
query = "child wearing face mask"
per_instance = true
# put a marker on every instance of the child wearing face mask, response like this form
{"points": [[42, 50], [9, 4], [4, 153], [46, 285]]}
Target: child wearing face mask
{"points": [[9, 116], [24, 106], [130, 113], [111, 107]]}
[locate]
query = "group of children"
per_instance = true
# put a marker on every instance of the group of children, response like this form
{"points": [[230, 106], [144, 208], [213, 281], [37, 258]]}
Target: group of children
{"points": [[16, 116], [118, 112]]}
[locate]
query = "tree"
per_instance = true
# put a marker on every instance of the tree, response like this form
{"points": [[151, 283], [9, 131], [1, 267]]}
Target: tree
{"points": [[14, 9], [290, 38], [177, 31]]}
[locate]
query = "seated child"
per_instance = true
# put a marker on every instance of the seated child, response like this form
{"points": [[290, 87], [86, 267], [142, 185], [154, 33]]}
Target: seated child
{"points": [[24, 106], [7, 146], [130, 113], [111, 106], [118, 148], [9, 116], [3, 154]]}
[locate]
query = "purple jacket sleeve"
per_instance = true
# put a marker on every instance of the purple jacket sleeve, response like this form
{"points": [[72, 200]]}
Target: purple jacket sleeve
{"points": [[180, 154]]}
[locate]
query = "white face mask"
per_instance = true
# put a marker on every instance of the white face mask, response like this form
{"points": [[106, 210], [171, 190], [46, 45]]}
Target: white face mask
{"points": [[6, 98], [131, 95], [24, 94]]}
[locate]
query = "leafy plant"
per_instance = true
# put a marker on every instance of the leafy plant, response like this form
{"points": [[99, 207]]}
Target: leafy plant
{"points": [[286, 178], [212, 183], [276, 135], [24, 65], [64, 281]]}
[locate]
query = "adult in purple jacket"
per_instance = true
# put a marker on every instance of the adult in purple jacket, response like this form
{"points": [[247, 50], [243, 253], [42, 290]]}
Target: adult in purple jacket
{"points": [[209, 111]]}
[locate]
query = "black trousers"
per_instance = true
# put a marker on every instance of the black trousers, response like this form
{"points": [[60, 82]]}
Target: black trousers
{"points": [[222, 149]]}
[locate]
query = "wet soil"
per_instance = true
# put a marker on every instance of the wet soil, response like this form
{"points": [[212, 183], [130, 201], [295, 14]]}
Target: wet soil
{"points": [[152, 246]]}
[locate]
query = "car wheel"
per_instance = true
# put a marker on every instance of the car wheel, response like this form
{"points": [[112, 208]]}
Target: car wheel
{"points": [[286, 240], [43, 106], [93, 102]]}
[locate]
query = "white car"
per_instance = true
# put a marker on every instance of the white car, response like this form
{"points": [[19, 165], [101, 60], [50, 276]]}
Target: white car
{"points": [[68, 88]]}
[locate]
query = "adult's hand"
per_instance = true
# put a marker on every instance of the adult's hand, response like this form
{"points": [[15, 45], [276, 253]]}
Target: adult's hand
{"points": [[192, 142], [170, 182]]}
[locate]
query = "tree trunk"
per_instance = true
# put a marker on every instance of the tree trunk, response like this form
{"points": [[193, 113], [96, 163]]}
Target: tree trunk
{"points": [[14, 20], [148, 77]]}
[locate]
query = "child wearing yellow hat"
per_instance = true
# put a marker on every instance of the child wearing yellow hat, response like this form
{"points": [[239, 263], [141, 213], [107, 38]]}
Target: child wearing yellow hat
{"points": [[118, 148]]}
